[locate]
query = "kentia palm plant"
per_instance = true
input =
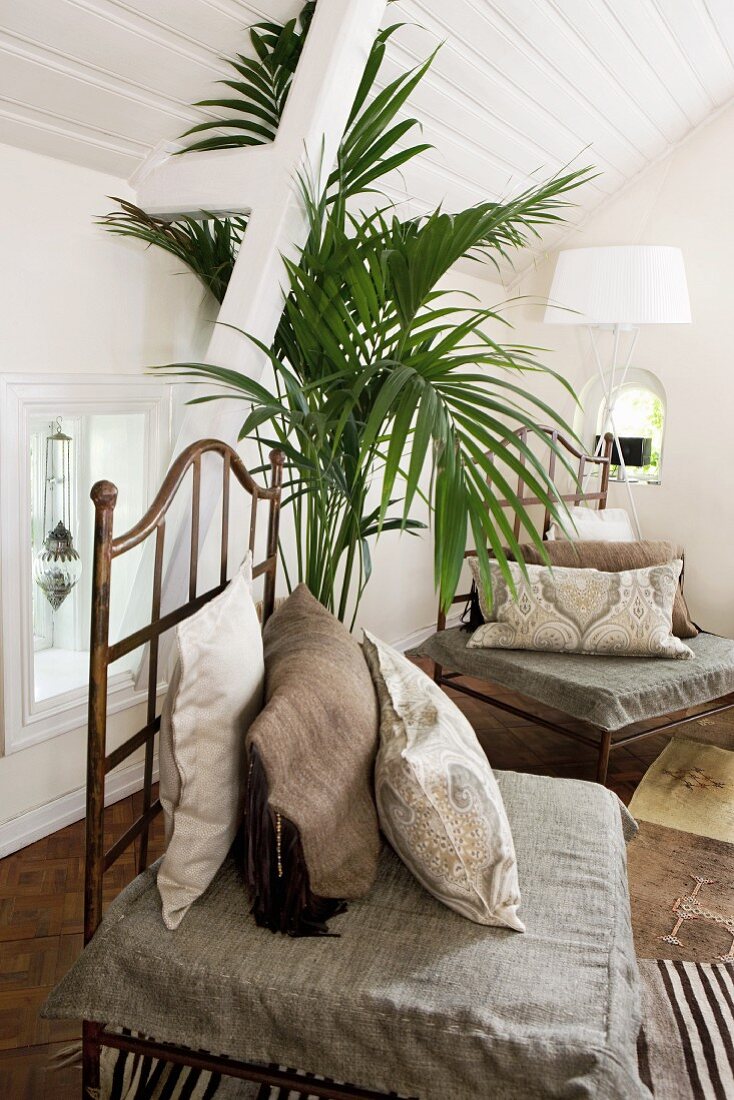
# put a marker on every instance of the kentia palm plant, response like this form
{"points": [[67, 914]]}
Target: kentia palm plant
{"points": [[378, 376]]}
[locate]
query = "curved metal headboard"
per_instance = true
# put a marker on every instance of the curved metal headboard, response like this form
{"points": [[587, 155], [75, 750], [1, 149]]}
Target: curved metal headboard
{"points": [[102, 654], [578, 496]]}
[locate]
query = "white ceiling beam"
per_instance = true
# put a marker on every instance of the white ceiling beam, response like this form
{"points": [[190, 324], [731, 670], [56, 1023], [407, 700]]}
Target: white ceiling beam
{"points": [[264, 182], [324, 86], [220, 181]]}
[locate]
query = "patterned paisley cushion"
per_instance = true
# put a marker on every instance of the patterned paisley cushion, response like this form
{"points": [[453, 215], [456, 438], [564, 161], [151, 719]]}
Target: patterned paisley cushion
{"points": [[437, 799], [559, 610]]}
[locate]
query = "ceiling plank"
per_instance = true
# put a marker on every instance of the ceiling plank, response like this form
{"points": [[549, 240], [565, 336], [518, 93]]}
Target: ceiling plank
{"points": [[634, 81], [518, 90], [152, 60], [642, 25], [689, 23]]}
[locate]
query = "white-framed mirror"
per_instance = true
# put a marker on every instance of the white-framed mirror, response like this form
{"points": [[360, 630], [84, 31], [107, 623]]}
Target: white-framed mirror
{"points": [[118, 428]]}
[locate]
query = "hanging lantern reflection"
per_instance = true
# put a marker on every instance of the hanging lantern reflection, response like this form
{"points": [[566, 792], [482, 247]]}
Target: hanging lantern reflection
{"points": [[57, 566]]}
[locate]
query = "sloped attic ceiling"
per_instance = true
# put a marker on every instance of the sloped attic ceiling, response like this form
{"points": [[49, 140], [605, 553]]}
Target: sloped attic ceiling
{"points": [[519, 89]]}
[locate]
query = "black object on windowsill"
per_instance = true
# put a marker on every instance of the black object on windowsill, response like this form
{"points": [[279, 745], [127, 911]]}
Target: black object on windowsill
{"points": [[636, 450]]}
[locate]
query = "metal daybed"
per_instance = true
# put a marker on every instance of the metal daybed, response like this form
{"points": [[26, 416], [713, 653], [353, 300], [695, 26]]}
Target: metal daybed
{"points": [[408, 999], [604, 698]]}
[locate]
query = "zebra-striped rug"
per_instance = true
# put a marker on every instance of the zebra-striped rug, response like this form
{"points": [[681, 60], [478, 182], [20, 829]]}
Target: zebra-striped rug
{"points": [[686, 1046], [126, 1076]]}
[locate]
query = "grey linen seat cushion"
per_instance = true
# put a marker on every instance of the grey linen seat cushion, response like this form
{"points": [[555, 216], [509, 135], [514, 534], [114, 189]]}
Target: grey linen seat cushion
{"points": [[411, 996], [609, 692]]}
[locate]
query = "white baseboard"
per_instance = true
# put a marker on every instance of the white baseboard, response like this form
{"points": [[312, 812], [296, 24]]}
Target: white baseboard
{"points": [[419, 636], [25, 829]]}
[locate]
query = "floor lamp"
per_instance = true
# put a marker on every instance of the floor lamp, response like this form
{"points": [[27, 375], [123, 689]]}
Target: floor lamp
{"points": [[618, 288]]}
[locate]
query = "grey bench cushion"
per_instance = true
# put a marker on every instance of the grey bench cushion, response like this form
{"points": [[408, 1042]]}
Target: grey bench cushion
{"points": [[609, 692], [411, 996]]}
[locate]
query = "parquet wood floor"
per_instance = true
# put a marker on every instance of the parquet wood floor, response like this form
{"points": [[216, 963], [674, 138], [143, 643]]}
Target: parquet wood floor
{"points": [[41, 891], [41, 912]]}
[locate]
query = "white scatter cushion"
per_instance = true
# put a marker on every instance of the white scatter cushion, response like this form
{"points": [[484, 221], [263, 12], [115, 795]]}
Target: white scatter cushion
{"points": [[437, 798], [588, 524], [212, 702], [562, 610]]}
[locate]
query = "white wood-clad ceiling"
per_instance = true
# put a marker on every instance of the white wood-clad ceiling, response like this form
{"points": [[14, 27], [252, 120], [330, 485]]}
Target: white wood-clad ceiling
{"points": [[519, 89]]}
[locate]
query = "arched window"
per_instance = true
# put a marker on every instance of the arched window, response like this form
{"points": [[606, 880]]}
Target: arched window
{"points": [[639, 417]]}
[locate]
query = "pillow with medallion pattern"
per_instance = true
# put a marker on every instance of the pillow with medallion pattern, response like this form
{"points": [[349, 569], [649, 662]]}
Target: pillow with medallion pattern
{"points": [[559, 610], [437, 798]]}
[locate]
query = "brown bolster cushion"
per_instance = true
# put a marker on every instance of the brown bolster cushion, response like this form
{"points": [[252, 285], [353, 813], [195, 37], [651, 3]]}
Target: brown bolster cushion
{"points": [[311, 832], [614, 557]]}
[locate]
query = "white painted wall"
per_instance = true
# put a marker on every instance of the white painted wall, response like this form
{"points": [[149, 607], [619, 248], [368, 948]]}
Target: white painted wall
{"points": [[75, 299], [684, 200]]}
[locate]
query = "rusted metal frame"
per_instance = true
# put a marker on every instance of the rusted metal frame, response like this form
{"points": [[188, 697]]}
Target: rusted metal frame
{"points": [[718, 708], [195, 505], [607, 456], [231, 1067], [173, 479], [224, 543], [266, 566], [127, 748], [573, 449], [523, 435], [160, 626], [155, 613], [565, 497], [551, 475], [91, 1051], [104, 497], [138, 826], [253, 524], [602, 761], [501, 705], [277, 460]]}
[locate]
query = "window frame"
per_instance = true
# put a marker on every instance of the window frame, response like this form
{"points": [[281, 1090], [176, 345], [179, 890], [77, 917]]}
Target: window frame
{"points": [[592, 397], [25, 398]]}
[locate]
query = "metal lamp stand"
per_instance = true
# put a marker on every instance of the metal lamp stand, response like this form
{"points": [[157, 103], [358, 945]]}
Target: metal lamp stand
{"points": [[612, 383]]}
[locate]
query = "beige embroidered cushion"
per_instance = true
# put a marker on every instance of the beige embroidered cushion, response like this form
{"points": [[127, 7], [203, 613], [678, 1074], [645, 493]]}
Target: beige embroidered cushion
{"points": [[584, 611], [437, 799], [213, 700]]}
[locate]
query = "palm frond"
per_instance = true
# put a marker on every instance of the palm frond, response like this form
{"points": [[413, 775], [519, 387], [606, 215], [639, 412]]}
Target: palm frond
{"points": [[207, 246], [261, 84]]}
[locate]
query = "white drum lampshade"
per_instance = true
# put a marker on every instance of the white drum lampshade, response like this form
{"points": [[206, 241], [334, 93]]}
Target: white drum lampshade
{"points": [[619, 285]]}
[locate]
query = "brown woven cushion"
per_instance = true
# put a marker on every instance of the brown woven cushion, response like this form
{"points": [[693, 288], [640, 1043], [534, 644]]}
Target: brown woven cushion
{"points": [[614, 557], [311, 757]]}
